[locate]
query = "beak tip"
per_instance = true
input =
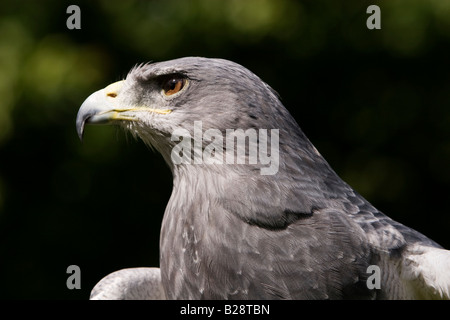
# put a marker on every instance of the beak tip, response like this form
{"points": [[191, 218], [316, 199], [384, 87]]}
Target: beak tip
{"points": [[80, 135], [80, 126]]}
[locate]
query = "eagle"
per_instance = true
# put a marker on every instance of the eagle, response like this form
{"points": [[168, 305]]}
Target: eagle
{"points": [[255, 212]]}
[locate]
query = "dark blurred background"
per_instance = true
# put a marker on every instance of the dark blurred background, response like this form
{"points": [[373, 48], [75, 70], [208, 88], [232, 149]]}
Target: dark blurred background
{"points": [[376, 103]]}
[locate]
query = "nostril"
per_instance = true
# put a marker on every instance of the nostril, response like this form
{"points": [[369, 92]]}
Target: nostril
{"points": [[111, 94]]}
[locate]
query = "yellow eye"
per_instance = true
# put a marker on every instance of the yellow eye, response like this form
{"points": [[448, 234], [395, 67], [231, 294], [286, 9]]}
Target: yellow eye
{"points": [[173, 85]]}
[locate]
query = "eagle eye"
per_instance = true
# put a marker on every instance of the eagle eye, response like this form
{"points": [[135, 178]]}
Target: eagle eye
{"points": [[173, 85]]}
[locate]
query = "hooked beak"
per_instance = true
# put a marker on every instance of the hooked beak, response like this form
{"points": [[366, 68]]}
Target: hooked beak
{"points": [[99, 108], [104, 107]]}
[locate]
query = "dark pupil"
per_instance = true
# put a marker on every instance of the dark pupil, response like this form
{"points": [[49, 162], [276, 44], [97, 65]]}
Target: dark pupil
{"points": [[173, 84]]}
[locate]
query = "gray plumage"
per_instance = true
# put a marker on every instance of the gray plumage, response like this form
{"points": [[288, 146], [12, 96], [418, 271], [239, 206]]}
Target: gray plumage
{"points": [[230, 232], [130, 284]]}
